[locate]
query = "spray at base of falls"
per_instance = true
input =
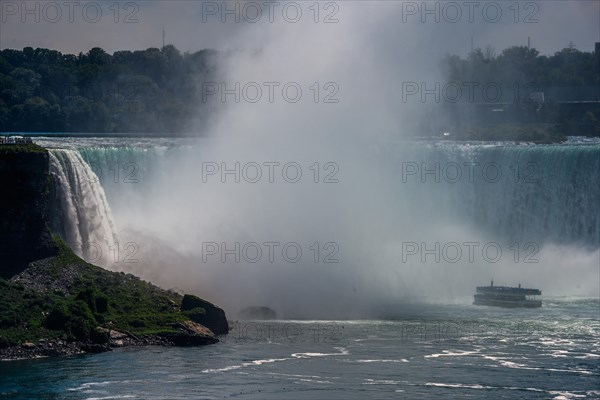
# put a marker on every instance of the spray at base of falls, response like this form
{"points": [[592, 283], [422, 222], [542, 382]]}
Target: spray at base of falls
{"points": [[170, 212]]}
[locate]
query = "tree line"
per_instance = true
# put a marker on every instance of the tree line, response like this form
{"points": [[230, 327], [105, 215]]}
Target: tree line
{"points": [[148, 91], [157, 90], [569, 80], [521, 64]]}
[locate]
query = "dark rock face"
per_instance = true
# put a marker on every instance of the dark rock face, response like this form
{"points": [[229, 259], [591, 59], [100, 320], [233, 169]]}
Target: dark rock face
{"points": [[213, 317], [24, 234], [257, 313], [46, 349]]}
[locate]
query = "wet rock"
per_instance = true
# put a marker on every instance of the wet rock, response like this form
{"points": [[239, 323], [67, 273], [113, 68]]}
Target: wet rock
{"points": [[205, 313], [255, 312]]}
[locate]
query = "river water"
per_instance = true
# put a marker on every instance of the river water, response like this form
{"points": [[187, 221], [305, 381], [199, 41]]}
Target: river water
{"points": [[380, 323], [457, 351]]}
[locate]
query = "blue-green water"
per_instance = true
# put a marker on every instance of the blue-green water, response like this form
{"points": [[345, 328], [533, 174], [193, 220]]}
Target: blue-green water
{"points": [[458, 351], [542, 193], [547, 194]]}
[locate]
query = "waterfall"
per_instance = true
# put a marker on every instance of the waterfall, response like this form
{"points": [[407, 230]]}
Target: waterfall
{"points": [[547, 194], [387, 195], [79, 211]]}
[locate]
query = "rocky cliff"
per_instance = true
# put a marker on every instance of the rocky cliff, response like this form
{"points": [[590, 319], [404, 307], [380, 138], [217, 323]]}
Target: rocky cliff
{"points": [[54, 303], [24, 235]]}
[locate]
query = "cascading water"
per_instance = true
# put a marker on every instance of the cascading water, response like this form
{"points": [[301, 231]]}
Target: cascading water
{"points": [[549, 194], [80, 213], [545, 194]]}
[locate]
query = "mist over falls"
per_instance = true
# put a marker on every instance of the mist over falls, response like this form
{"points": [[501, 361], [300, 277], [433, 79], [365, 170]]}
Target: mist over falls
{"points": [[161, 210], [364, 197]]}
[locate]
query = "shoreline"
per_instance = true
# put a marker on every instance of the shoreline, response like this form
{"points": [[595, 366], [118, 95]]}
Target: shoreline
{"points": [[46, 348]]}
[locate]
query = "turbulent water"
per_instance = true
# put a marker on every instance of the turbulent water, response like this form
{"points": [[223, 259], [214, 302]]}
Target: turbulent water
{"points": [[442, 352], [545, 193], [372, 325], [536, 204]]}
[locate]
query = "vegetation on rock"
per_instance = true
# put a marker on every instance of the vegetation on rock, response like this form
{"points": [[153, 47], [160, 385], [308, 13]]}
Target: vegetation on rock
{"points": [[68, 299]]}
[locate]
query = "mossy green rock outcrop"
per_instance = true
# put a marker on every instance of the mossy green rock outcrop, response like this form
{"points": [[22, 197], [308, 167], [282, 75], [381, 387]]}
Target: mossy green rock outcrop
{"points": [[54, 303], [65, 299]]}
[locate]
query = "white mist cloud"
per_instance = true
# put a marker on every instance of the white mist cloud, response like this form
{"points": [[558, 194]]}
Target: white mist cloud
{"points": [[367, 214]]}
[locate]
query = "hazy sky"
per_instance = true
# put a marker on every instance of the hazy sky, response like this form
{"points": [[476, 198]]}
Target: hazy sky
{"points": [[77, 26]]}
